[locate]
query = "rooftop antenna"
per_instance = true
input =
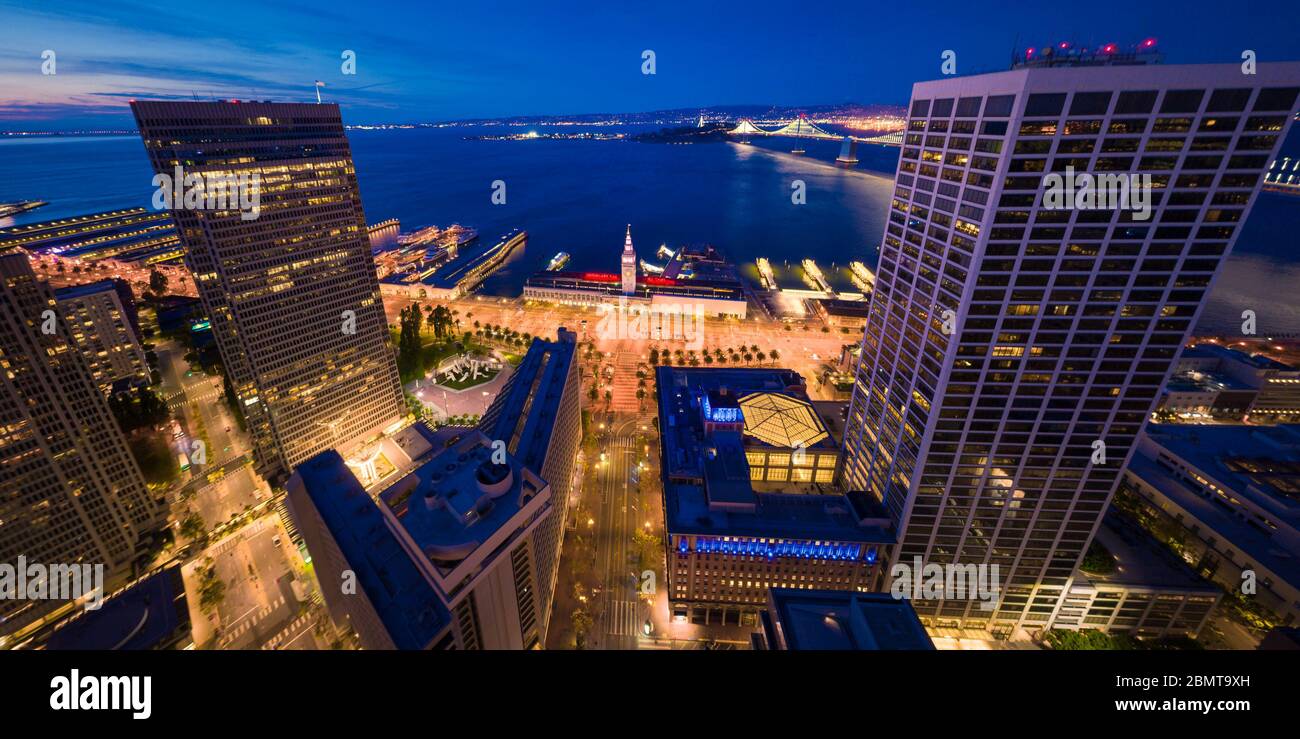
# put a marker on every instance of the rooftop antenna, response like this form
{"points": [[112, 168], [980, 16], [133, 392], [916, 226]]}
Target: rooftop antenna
{"points": [[319, 85]]}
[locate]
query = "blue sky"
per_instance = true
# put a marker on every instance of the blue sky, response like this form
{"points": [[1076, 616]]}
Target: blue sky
{"points": [[423, 61]]}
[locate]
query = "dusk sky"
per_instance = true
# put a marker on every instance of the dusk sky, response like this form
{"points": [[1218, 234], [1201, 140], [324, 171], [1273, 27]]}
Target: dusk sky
{"points": [[421, 61]]}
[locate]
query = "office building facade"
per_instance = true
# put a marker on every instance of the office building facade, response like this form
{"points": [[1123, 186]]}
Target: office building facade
{"points": [[99, 320], [70, 491], [291, 293], [1009, 336]]}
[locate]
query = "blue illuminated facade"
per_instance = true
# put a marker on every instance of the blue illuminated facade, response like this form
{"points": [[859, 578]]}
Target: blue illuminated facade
{"points": [[722, 415], [757, 547]]}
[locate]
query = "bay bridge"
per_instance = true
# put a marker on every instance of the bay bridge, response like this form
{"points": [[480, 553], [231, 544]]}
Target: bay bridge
{"points": [[802, 128]]}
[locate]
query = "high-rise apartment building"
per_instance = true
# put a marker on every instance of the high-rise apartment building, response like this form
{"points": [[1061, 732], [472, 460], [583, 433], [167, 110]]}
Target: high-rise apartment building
{"points": [[99, 320], [70, 492], [290, 285], [1015, 347], [438, 554], [538, 414]]}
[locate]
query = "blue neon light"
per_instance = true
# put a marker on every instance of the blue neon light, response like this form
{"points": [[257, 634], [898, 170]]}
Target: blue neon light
{"points": [[745, 546], [720, 415]]}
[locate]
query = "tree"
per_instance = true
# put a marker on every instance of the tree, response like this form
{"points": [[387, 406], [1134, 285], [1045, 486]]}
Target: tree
{"points": [[776, 356], [1098, 560], [409, 345], [157, 281], [153, 457], [212, 591], [192, 527], [761, 357], [441, 321], [138, 408], [582, 623]]}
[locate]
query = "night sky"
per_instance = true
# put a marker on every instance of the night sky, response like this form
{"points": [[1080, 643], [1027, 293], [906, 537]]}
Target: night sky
{"points": [[428, 61]]}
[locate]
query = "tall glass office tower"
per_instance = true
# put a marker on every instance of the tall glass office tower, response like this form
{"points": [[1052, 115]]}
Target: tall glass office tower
{"points": [[292, 292], [70, 491], [1009, 338]]}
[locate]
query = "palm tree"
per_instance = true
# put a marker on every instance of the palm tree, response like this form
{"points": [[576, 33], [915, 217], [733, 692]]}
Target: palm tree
{"points": [[761, 357], [774, 355]]}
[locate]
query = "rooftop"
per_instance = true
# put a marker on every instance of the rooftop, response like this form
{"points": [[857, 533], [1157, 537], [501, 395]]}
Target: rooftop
{"points": [[1140, 560], [527, 408], [1204, 382], [707, 488], [89, 288], [781, 420], [411, 610], [148, 614], [1212, 452], [646, 285], [1263, 461], [1259, 361], [842, 620], [460, 498], [847, 308]]}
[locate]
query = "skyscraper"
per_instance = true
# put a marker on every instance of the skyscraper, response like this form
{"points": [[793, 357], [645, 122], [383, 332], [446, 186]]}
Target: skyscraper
{"points": [[1014, 350], [70, 492], [99, 319], [538, 414], [290, 287], [442, 557]]}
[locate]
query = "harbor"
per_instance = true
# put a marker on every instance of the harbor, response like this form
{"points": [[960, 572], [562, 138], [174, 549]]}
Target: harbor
{"points": [[446, 271]]}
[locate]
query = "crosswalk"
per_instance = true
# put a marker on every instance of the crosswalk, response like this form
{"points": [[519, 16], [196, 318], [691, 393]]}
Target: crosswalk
{"points": [[623, 389], [248, 623], [623, 617], [179, 400], [293, 628]]}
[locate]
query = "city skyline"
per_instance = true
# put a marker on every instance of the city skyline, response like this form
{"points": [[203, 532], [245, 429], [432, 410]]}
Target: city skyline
{"points": [[1003, 355], [537, 64]]}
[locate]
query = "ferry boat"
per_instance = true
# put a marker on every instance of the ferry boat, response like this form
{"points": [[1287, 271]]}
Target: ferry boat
{"points": [[558, 261]]}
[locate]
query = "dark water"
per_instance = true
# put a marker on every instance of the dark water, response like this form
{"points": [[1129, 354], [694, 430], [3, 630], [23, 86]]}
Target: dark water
{"points": [[578, 196]]}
